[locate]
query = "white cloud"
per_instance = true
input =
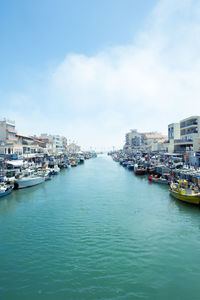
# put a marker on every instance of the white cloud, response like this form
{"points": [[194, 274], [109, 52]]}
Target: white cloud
{"points": [[146, 85]]}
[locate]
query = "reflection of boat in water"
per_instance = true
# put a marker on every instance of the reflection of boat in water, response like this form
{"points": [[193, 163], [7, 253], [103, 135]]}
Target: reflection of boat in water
{"points": [[182, 192], [5, 189]]}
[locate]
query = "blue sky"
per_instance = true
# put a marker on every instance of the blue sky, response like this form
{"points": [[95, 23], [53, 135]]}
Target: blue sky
{"points": [[91, 70], [38, 34]]}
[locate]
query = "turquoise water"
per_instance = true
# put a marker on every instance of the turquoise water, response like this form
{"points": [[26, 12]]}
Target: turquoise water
{"points": [[98, 232]]}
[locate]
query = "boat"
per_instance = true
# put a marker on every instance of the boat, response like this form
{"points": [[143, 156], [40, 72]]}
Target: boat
{"points": [[140, 170], [28, 179], [55, 170], [67, 165], [130, 166], [181, 191], [73, 163], [151, 170], [46, 174], [5, 189], [82, 160], [157, 179]]}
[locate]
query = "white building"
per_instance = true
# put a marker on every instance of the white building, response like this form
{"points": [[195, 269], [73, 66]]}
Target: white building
{"points": [[10, 149], [24, 145], [174, 131], [189, 135], [73, 148], [7, 131], [173, 134], [56, 143], [133, 139]]}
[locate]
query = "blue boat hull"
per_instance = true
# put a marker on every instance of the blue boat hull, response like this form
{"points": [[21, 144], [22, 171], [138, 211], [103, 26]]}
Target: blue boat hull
{"points": [[6, 193]]}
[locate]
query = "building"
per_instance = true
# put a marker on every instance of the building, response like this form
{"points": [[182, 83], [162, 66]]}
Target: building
{"points": [[174, 131], [189, 135], [130, 137], [7, 131], [153, 138], [173, 134], [11, 149], [30, 145], [55, 143], [14, 144], [145, 141], [73, 148], [23, 146], [9, 146]]}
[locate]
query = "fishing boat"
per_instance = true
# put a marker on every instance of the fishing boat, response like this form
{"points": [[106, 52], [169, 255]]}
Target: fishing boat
{"points": [[140, 170], [73, 163], [156, 179], [151, 170], [47, 177], [55, 170], [5, 189], [130, 166], [82, 160], [28, 179], [46, 173], [181, 191]]}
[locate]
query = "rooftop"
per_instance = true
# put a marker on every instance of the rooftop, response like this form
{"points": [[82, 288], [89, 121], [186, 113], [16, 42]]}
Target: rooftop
{"points": [[189, 118]]}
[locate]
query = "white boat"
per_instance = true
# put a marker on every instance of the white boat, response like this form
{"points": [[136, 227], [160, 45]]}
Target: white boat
{"points": [[28, 180], [56, 169]]}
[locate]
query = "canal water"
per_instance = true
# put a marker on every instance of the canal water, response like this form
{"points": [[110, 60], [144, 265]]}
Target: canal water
{"points": [[98, 232]]}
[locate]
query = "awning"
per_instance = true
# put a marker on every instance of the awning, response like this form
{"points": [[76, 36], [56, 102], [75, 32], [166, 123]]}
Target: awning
{"points": [[15, 163]]}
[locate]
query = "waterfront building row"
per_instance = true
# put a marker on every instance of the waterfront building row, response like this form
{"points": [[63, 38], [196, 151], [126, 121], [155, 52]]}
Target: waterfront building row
{"points": [[185, 135], [146, 141], [13, 144], [183, 140]]}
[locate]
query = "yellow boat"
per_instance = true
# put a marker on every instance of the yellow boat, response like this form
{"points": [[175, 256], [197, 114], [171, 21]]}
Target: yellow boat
{"points": [[182, 192]]}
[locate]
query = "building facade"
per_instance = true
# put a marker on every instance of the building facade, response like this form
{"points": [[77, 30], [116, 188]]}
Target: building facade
{"points": [[56, 143], [7, 131], [173, 134], [189, 135]]}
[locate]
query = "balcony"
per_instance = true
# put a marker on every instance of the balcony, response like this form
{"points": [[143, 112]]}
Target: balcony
{"points": [[189, 132], [180, 151], [11, 140], [184, 142], [193, 123], [11, 131]]}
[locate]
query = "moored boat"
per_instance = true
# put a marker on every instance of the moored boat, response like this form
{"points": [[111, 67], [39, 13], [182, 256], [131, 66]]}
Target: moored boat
{"points": [[55, 170], [26, 182], [182, 192], [5, 189], [151, 170], [130, 166], [156, 179], [140, 170], [28, 179]]}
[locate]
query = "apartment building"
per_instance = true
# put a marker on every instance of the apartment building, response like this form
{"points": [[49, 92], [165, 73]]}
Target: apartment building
{"points": [[189, 135], [7, 131], [56, 143], [173, 134]]}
